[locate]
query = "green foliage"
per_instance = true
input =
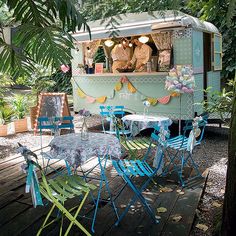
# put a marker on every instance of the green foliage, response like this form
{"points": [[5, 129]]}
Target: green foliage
{"points": [[223, 15], [61, 82], [6, 114], [5, 82], [19, 105], [100, 56], [220, 102], [42, 36], [110, 9]]}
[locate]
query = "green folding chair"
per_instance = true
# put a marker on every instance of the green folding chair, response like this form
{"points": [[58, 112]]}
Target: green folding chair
{"points": [[57, 191]]}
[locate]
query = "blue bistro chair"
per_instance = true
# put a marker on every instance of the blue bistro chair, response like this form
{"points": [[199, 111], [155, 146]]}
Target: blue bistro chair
{"points": [[110, 114], [54, 125], [179, 149], [129, 169]]}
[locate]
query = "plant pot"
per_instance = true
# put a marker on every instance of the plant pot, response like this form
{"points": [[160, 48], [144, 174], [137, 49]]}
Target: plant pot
{"points": [[33, 115], [20, 125], [3, 130]]}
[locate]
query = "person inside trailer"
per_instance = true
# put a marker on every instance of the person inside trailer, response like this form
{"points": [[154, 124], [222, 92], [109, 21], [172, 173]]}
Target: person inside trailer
{"points": [[142, 55], [120, 54]]}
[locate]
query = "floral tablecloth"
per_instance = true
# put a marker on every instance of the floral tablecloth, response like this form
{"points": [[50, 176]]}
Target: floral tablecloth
{"points": [[137, 123], [70, 147]]}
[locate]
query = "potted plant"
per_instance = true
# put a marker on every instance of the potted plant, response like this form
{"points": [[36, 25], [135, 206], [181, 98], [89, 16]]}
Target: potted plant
{"points": [[19, 106], [5, 118]]}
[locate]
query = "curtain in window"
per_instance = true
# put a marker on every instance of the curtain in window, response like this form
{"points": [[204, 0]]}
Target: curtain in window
{"points": [[163, 42]]}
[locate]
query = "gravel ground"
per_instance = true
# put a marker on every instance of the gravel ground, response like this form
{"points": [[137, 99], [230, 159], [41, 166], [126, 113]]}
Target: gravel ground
{"points": [[216, 148]]}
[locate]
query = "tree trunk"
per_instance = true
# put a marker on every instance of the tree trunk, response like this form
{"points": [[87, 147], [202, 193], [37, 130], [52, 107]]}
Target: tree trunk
{"points": [[229, 210]]}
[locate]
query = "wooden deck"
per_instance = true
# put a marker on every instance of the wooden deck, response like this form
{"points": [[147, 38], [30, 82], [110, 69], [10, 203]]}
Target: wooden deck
{"points": [[18, 217]]}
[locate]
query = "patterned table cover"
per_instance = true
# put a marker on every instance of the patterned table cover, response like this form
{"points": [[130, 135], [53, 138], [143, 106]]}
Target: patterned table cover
{"points": [[70, 147], [137, 123]]}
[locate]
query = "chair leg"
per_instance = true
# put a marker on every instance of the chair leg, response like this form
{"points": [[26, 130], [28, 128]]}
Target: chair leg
{"points": [[46, 219], [74, 221]]}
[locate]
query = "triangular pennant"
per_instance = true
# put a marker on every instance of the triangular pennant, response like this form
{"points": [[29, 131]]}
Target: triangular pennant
{"points": [[90, 99], [81, 93], [153, 101], [164, 100], [118, 86], [101, 99], [174, 94], [131, 88]]}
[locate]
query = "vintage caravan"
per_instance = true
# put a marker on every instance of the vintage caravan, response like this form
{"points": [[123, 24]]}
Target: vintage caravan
{"points": [[177, 41]]}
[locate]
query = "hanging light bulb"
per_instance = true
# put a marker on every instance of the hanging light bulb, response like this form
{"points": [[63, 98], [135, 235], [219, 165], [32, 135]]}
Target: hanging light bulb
{"points": [[130, 45], [109, 43], [124, 42], [120, 45], [143, 39]]}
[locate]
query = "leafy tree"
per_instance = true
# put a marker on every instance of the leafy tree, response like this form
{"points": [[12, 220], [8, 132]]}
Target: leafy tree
{"points": [[43, 34], [219, 13]]}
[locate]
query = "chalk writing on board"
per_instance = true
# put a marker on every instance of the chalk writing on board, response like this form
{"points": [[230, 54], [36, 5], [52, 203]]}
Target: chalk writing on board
{"points": [[51, 106]]}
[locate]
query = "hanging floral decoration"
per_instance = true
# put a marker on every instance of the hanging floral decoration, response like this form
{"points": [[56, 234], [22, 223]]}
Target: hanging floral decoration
{"points": [[118, 86], [180, 80]]}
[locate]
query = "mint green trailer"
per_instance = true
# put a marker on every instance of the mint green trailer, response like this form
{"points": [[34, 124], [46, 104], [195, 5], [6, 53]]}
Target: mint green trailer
{"points": [[194, 42]]}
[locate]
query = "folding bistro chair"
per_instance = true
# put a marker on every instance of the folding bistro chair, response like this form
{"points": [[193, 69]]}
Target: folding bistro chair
{"points": [[128, 169], [111, 114], [182, 147], [57, 191], [54, 125]]}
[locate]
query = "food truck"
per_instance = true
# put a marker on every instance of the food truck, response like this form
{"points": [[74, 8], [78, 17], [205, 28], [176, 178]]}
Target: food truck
{"points": [[177, 41]]}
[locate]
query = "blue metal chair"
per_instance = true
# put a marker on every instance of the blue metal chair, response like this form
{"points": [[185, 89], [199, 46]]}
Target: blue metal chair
{"points": [[109, 114], [54, 125], [128, 169], [182, 147]]}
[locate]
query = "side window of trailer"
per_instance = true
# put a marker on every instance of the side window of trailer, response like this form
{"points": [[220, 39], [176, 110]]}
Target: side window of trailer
{"points": [[217, 52]]}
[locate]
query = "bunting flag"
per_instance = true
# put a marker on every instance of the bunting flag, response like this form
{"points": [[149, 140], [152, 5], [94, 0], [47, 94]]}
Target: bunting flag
{"points": [[164, 100], [175, 94], [118, 86], [101, 99], [90, 99], [131, 88], [81, 93], [153, 101]]}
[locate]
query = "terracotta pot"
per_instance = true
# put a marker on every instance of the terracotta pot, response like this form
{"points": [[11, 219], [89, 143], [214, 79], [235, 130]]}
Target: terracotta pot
{"points": [[20, 125], [33, 115], [3, 130]]}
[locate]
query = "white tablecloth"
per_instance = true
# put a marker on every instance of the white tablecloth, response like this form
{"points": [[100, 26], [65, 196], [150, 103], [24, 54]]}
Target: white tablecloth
{"points": [[137, 123]]}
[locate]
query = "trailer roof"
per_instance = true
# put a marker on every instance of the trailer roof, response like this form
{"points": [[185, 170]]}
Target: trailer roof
{"points": [[143, 23]]}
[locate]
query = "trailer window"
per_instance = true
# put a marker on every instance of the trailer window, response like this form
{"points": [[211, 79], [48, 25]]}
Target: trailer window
{"points": [[217, 52]]}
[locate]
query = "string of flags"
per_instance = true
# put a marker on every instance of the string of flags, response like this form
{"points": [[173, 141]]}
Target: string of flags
{"points": [[118, 86]]}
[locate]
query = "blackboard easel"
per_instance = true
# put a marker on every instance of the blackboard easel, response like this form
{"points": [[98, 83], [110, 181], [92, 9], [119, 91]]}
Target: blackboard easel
{"points": [[52, 105]]}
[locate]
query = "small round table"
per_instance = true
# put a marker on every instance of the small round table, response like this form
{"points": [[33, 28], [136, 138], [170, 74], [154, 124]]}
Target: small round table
{"points": [[137, 123], [71, 148]]}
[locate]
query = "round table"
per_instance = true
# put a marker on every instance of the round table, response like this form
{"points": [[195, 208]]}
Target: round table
{"points": [[71, 148], [137, 123]]}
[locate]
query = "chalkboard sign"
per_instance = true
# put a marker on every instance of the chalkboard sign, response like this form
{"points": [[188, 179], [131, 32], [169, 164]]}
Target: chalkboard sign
{"points": [[51, 105]]}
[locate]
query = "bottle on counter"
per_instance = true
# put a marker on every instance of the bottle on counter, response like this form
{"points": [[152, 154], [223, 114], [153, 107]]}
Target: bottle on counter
{"points": [[149, 67]]}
